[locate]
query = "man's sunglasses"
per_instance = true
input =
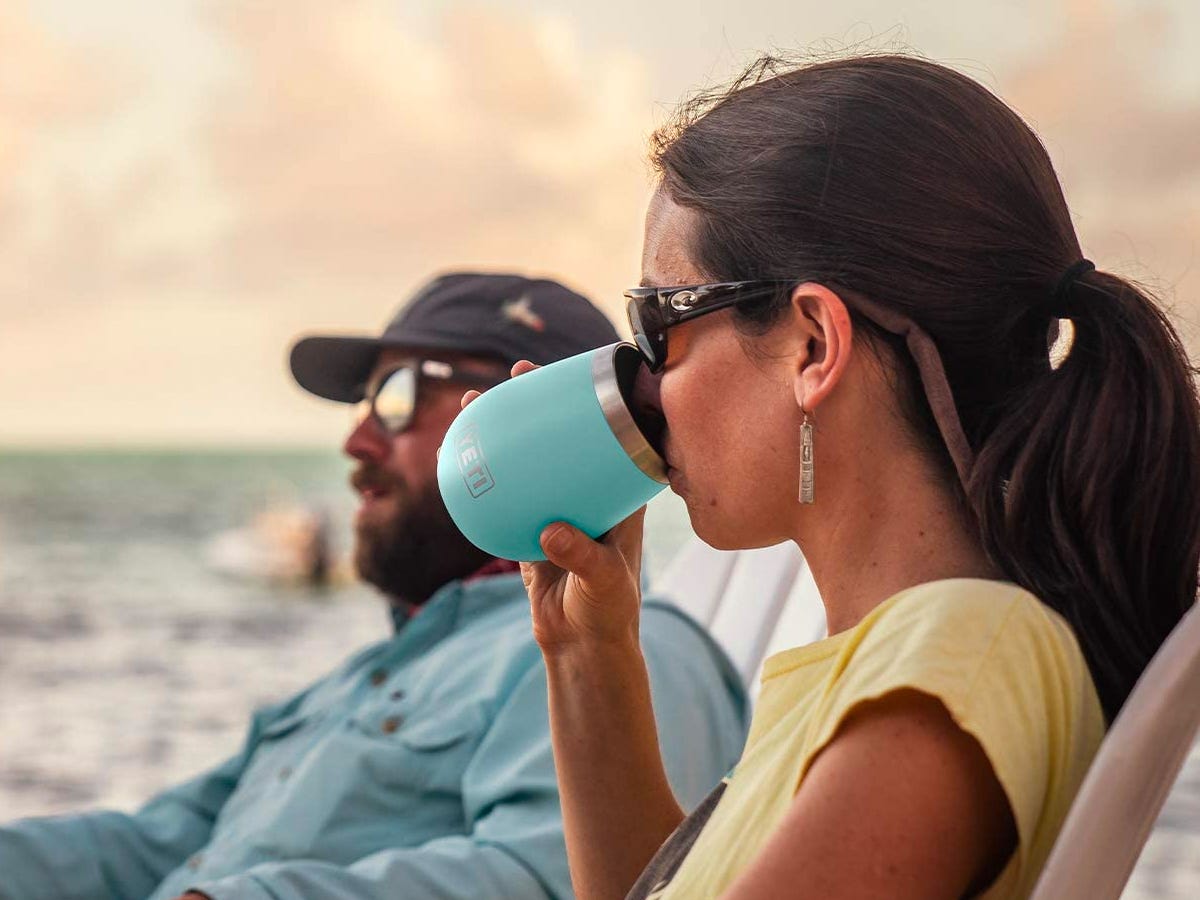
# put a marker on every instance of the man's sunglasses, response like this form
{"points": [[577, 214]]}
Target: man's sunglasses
{"points": [[652, 310], [391, 397]]}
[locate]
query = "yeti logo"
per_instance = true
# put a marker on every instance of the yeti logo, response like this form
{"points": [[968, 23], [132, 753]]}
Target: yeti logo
{"points": [[471, 463]]}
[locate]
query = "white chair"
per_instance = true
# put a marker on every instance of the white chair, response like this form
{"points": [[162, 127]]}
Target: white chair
{"points": [[1132, 775], [741, 596], [758, 602]]}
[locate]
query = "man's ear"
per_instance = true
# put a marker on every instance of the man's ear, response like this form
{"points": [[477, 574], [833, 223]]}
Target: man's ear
{"points": [[824, 338]]}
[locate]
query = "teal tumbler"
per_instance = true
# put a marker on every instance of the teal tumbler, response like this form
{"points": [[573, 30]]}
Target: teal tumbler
{"points": [[558, 444]]}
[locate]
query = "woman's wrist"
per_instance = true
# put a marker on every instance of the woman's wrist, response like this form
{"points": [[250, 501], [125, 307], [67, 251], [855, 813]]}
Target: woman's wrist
{"points": [[607, 654]]}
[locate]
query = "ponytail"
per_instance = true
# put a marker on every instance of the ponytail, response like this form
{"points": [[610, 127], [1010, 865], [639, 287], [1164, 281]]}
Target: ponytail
{"points": [[1087, 488]]}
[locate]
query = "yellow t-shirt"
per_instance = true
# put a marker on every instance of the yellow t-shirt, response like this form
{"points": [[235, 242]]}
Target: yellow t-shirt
{"points": [[1006, 667]]}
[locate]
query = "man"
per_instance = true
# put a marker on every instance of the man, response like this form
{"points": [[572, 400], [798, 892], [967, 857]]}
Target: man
{"points": [[422, 766]]}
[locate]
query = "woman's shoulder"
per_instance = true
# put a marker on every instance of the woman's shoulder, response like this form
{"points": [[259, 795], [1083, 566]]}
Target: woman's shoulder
{"points": [[1010, 673], [973, 619], [946, 628], [986, 649]]}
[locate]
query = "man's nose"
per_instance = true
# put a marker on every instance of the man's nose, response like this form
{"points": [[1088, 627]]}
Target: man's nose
{"points": [[368, 442]]}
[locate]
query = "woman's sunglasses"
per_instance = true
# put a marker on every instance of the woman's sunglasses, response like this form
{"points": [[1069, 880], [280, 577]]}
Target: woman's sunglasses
{"points": [[391, 397], [652, 310]]}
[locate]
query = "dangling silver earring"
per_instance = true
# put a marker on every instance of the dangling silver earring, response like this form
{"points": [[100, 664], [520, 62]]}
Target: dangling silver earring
{"points": [[806, 459]]}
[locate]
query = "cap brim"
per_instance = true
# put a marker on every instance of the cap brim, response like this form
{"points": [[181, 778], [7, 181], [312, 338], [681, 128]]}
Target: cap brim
{"points": [[335, 368]]}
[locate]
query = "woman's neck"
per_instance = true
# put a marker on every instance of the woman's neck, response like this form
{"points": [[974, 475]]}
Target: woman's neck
{"points": [[884, 531]]}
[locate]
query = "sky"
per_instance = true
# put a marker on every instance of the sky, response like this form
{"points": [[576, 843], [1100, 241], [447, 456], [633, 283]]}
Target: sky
{"points": [[187, 185]]}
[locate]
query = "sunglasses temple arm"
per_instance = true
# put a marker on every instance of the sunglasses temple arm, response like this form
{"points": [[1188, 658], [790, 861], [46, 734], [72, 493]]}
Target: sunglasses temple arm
{"points": [[933, 379]]}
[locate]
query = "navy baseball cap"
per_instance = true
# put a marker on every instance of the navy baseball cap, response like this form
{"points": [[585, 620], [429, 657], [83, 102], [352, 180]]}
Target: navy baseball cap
{"points": [[503, 316]]}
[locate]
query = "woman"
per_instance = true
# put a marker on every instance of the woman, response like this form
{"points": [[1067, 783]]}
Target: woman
{"points": [[1002, 540]]}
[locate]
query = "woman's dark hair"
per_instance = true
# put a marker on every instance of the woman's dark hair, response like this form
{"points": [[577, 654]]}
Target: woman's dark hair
{"points": [[902, 181]]}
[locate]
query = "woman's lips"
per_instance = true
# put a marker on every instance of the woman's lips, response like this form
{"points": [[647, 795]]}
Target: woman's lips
{"points": [[677, 481]]}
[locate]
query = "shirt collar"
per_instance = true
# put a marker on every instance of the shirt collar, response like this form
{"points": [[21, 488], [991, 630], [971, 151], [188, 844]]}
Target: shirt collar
{"points": [[463, 598], [495, 567]]}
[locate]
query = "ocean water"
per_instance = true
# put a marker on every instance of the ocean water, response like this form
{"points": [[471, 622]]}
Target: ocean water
{"points": [[134, 642]]}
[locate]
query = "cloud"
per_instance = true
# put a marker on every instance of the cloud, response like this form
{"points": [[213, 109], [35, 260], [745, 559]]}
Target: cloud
{"points": [[159, 249], [53, 93], [340, 159], [47, 83], [363, 154], [1126, 146]]}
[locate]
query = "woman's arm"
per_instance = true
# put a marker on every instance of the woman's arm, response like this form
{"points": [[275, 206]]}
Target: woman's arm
{"points": [[618, 807], [585, 601], [902, 804]]}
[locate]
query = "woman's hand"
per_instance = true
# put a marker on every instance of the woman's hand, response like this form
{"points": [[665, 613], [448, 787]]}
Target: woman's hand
{"points": [[587, 593], [617, 804]]}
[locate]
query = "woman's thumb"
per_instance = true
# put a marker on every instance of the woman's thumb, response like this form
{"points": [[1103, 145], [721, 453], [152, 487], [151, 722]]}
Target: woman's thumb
{"points": [[569, 548]]}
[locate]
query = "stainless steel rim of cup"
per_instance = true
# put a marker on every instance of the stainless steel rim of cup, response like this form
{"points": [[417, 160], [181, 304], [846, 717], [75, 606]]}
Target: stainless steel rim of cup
{"points": [[618, 417]]}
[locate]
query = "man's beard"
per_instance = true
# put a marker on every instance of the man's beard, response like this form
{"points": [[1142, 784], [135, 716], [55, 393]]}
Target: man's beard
{"points": [[418, 550]]}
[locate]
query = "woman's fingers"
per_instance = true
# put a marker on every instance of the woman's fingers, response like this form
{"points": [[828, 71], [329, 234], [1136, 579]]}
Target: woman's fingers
{"points": [[626, 536], [569, 548], [519, 369]]}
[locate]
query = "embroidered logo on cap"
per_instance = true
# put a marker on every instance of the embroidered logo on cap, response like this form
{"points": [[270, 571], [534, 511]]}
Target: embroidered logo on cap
{"points": [[522, 313]]}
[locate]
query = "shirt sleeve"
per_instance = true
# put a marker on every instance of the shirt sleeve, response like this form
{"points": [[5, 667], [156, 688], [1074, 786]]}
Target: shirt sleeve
{"points": [[514, 847], [110, 854], [1009, 674]]}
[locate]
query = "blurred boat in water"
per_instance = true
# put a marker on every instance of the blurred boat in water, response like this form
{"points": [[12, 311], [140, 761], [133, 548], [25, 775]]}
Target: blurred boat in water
{"points": [[283, 545]]}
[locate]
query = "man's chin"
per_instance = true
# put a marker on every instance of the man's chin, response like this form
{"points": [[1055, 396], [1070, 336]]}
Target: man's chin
{"points": [[367, 567], [411, 547]]}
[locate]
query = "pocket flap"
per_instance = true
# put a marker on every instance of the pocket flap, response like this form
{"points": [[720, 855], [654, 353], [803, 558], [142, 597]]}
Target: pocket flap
{"points": [[430, 732], [285, 725]]}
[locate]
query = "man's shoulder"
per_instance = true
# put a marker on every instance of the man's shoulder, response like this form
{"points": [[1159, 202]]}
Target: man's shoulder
{"points": [[493, 646], [663, 619], [504, 610], [671, 636], [363, 656]]}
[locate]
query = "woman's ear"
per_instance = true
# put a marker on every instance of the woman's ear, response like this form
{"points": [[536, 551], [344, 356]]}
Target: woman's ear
{"points": [[824, 335]]}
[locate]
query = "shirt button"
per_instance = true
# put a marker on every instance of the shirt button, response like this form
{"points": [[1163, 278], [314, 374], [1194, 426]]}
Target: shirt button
{"points": [[397, 695], [194, 862], [390, 724], [378, 677], [285, 773]]}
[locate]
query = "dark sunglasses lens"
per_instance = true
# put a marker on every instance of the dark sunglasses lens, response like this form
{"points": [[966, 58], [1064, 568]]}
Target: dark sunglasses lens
{"points": [[651, 341], [395, 400], [648, 352]]}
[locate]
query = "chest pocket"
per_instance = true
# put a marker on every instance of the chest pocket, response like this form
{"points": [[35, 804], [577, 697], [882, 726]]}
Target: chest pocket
{"points": [[262, 786], [427, 752]]}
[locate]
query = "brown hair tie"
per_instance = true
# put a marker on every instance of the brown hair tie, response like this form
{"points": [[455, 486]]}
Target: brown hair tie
{"points": [[1060, 306]]}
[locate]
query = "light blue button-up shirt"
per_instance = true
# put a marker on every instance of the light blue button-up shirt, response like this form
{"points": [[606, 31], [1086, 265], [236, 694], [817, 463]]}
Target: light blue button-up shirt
{"points": [[420, 768]]}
